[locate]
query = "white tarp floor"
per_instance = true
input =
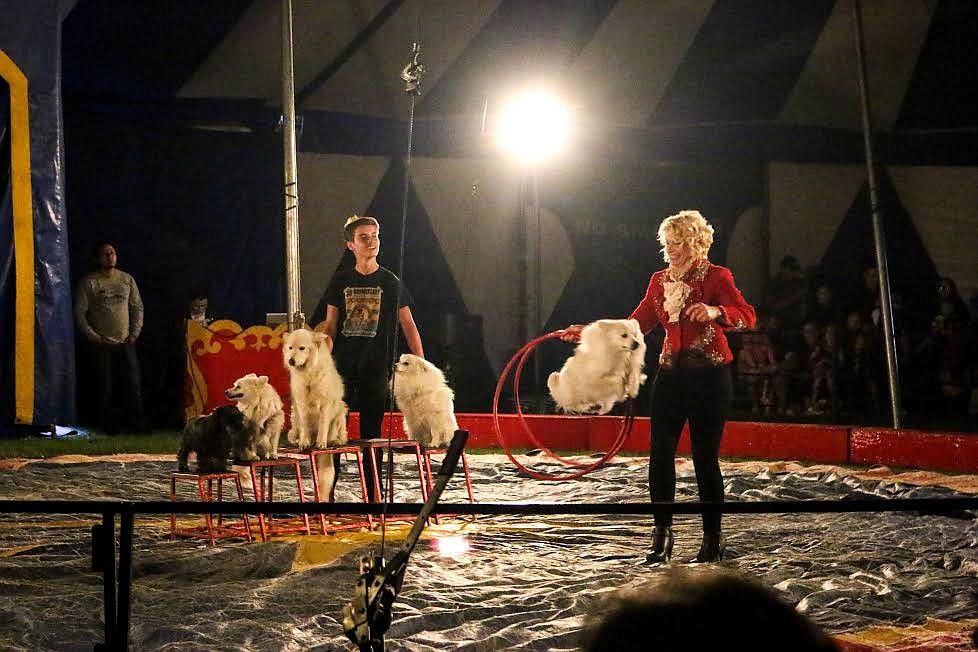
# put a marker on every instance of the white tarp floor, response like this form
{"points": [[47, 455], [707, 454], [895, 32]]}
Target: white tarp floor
{"points": [[525, 584]]}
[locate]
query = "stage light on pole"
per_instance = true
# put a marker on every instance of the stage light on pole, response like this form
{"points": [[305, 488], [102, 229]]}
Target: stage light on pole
{"points": [[533, 127]]}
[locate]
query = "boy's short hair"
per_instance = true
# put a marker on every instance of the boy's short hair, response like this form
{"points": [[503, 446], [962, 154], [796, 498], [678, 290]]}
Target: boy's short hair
{"points": [[355, 221]]}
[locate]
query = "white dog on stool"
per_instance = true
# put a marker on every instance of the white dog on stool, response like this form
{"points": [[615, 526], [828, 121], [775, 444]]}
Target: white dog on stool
{"points": [[318, 410], [606, 368], [262, 408], [425, 400]]}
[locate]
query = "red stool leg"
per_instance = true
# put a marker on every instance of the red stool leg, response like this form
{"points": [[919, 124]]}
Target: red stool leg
{"points": [[205, 497], [302, 494], [258, 484], [244, 517], [313, 462]]}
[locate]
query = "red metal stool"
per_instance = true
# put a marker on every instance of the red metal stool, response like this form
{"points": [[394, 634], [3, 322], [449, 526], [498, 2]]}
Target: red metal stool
{"points": [[408, 446], [205, 486], [427, 453], [262, 476], [345, 522]]}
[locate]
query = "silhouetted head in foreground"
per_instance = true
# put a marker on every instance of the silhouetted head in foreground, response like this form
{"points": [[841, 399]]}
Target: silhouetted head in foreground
{"points": [[699, 609]]}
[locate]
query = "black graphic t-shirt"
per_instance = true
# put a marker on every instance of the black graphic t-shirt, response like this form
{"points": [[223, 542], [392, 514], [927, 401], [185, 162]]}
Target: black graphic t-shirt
{"points": [[367, 321]]}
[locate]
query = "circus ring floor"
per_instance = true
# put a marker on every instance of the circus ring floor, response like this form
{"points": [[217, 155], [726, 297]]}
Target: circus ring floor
{"points": [[876, 581]]}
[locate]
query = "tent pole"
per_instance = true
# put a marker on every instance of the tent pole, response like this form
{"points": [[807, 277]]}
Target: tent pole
{"points": [[878, 236], [295, 317]]}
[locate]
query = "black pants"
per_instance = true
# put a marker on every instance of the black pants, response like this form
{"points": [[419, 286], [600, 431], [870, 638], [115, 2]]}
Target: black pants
{"points": [[117, 367], [701, 396], [370, 398]]}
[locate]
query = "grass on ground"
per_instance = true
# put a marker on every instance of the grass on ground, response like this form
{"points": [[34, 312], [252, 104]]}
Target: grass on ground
{"points": [[162, 442]]}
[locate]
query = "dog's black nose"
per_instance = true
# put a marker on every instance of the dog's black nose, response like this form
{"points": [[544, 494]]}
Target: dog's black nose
{"points": [[291, 362], [634, 345]]}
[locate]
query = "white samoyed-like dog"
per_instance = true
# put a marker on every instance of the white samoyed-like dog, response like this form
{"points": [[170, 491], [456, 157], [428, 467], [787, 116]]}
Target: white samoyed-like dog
{"points": [[606, 368], [318, 409], [425, 400], [261, 406]]}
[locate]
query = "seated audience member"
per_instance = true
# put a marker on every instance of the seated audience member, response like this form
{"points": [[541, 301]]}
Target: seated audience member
{"points": [[786, 292], [197, 308], [699, 609], [786, 351], [822, 307], [814, 367], [859, 373], [757, 364], [949, 301]]}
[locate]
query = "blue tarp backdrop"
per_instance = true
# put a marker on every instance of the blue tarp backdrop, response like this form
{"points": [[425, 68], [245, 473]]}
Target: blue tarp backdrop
{"points": [[30, 39]]}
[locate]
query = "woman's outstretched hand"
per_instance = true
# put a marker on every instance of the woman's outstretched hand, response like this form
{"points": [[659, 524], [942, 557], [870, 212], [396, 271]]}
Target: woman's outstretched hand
{"points": [[572, 333]]}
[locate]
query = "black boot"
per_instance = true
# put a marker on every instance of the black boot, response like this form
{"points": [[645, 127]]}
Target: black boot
{"points": [[661, 545], [711, 550]]}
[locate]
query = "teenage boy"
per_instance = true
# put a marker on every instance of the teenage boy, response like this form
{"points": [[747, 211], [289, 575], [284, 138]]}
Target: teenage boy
{"points": [[361, 304]]}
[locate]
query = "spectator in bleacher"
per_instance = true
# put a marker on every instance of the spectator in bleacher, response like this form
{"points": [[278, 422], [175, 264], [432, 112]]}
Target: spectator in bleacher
{"points": [[949, 301], [822, 308], [786, 293], [787, 347], [859, 375], [757, 365], [867, 297], [813, 368]]}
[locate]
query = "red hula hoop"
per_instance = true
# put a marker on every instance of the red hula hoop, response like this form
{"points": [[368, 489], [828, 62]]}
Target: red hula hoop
{"points": [[519, 359]]}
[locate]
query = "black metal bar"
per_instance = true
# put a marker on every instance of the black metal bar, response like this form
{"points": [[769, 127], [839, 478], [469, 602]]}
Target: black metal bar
{"points": [[103, 550], [126, 521], [929, 505]]}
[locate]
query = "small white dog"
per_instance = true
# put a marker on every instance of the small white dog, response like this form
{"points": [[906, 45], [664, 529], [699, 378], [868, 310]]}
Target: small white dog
{"points": [[425, 400], [262, 409], [606, 368], [318, 409]]}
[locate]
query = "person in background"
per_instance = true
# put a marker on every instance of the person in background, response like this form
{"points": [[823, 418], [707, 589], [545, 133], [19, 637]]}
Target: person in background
{"points": [[700, 609], [695, 301], [197, 308], [365, 306], [786, 294], [109, 313]]}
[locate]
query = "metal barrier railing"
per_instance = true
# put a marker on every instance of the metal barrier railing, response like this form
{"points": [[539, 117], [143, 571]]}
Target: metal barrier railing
{"points": [[117, 574]]}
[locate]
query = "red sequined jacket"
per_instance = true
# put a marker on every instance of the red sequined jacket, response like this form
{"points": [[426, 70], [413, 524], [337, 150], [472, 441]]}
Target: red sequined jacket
{"points": [[709, 284]]}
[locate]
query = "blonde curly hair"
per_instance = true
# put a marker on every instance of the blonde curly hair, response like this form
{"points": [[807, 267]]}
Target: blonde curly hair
{"points": [[691, 228]]}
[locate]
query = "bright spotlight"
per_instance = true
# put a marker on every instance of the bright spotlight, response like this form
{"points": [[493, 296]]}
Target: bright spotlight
{"points": [[533, 127]]}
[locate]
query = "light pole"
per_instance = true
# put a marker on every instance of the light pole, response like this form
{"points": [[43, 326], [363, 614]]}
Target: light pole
{"points": [[533, 128]]}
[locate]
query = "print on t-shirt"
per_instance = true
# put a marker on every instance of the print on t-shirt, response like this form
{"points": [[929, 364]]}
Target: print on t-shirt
{"points": [[362, 311]]}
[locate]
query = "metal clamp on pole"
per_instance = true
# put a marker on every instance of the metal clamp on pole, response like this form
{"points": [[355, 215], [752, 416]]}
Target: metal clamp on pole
{"points": [[367, 617]]}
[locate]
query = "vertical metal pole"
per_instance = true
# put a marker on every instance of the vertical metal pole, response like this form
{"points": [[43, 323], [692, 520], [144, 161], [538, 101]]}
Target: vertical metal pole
{"points": [[291, 186], [878, 236], [538, 285], [523, 235]]}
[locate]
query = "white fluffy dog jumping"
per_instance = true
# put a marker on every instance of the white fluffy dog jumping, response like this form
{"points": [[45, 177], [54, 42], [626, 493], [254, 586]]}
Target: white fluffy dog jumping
{"points": [[425, 400], [318, 409], [606, 368], [262, 409]]}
